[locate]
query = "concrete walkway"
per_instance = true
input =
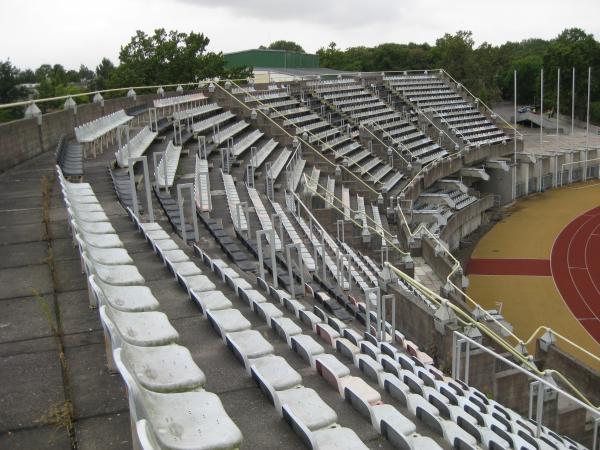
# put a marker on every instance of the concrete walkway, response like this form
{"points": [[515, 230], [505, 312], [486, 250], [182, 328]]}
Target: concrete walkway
{"points": [[55, 392]]}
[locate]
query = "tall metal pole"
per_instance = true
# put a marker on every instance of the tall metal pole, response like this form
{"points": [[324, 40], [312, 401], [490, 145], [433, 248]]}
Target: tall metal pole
{"points": [[587, 126], [573, 103], [541, 109], [557, 107], [515, 141]]}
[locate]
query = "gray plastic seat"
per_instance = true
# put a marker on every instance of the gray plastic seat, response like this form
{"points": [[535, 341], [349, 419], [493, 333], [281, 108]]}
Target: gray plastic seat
{"points": [[199, 283], [123, 275], [144, 329], [307, 348], [308, 406], [285, 328], [186, 269], [211, 301], [193, 420], [276, 371], [248, 345], [109, 256], [227, 321], [102, 240], [125, 298], [166, 368]]}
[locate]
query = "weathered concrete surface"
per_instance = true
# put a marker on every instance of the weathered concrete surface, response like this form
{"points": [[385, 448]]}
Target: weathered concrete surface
{"points": [[55, 392]]}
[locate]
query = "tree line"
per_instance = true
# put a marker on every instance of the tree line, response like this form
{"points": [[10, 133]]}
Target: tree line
{"points": [[487, 70], [147, 59]]}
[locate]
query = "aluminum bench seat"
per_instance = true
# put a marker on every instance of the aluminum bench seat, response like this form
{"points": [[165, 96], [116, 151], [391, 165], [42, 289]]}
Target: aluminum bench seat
{"points": [[227, 321], [144, 329], [124, 298], [276, 371], [308, 406], [211, 301], [166, 368]]}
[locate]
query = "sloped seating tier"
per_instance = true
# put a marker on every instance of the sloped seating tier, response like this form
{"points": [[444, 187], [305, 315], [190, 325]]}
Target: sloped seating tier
{"points": [[196, 111], [233, 200], [95, 129], [168, 162], [361, 106], [279, 164], [244, 144], [263, 216], [202, 193], [307, 258], [263, 152], [226, 133], [437, 95], [178, 100], [136, 147], [208, 123]]}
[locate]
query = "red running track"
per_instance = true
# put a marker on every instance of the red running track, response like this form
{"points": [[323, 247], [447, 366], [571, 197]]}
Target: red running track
{"points": [[575, 265]]}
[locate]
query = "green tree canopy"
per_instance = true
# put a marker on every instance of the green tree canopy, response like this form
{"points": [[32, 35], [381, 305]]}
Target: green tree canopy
{"points": [[289, 46], [167, 58]]}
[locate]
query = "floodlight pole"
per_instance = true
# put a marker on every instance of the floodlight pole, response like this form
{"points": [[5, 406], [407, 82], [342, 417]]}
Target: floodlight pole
{"points": [[587, 126], [557, 107], [515, 140], [541, 109], [573, 103]]}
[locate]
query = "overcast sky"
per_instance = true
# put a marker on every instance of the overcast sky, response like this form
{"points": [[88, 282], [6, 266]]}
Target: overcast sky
{"points": [[71, 32]]}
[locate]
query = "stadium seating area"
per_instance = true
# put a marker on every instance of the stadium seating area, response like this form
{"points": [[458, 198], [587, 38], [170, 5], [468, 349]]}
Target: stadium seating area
{"points": [[311, 334]]}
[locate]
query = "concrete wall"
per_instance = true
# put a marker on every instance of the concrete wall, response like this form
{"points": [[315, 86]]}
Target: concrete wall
{"points": [[23, 139]]}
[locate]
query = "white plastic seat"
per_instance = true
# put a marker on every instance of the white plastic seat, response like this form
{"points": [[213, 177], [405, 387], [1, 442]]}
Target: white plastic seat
{"points": [[167, 368], [306, 404], [227, 321], [124, 298], [198, 283], [307, 348], [108, 256], [122, 275], [102, 240], [211, 301], [276, 371], [186, 269], [285, 328], [193, 420], [144, 329], [267, 311], [248, 345]]}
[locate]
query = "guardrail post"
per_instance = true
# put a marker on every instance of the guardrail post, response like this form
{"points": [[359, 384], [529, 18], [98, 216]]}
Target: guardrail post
{"points": [[180, 198], [274, 218], [259, 234], [134, 197], [391, 297]]}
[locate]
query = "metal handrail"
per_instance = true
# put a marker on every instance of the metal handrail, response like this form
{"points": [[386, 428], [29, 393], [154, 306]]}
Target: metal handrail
{"points": [[101, 91]]}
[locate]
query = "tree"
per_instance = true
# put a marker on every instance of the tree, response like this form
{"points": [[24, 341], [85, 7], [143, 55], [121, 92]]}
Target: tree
{"points": [[9, 90], [289, 46], [104, 72], [168, 58], [85, 74], [454, 53]]}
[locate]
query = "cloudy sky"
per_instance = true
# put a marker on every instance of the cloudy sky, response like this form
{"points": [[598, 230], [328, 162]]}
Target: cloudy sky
{"points": [[71, 32]]}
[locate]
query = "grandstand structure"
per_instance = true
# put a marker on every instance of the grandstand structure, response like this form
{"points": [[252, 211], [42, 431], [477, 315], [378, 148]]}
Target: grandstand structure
{"points": [[255, 259]]}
